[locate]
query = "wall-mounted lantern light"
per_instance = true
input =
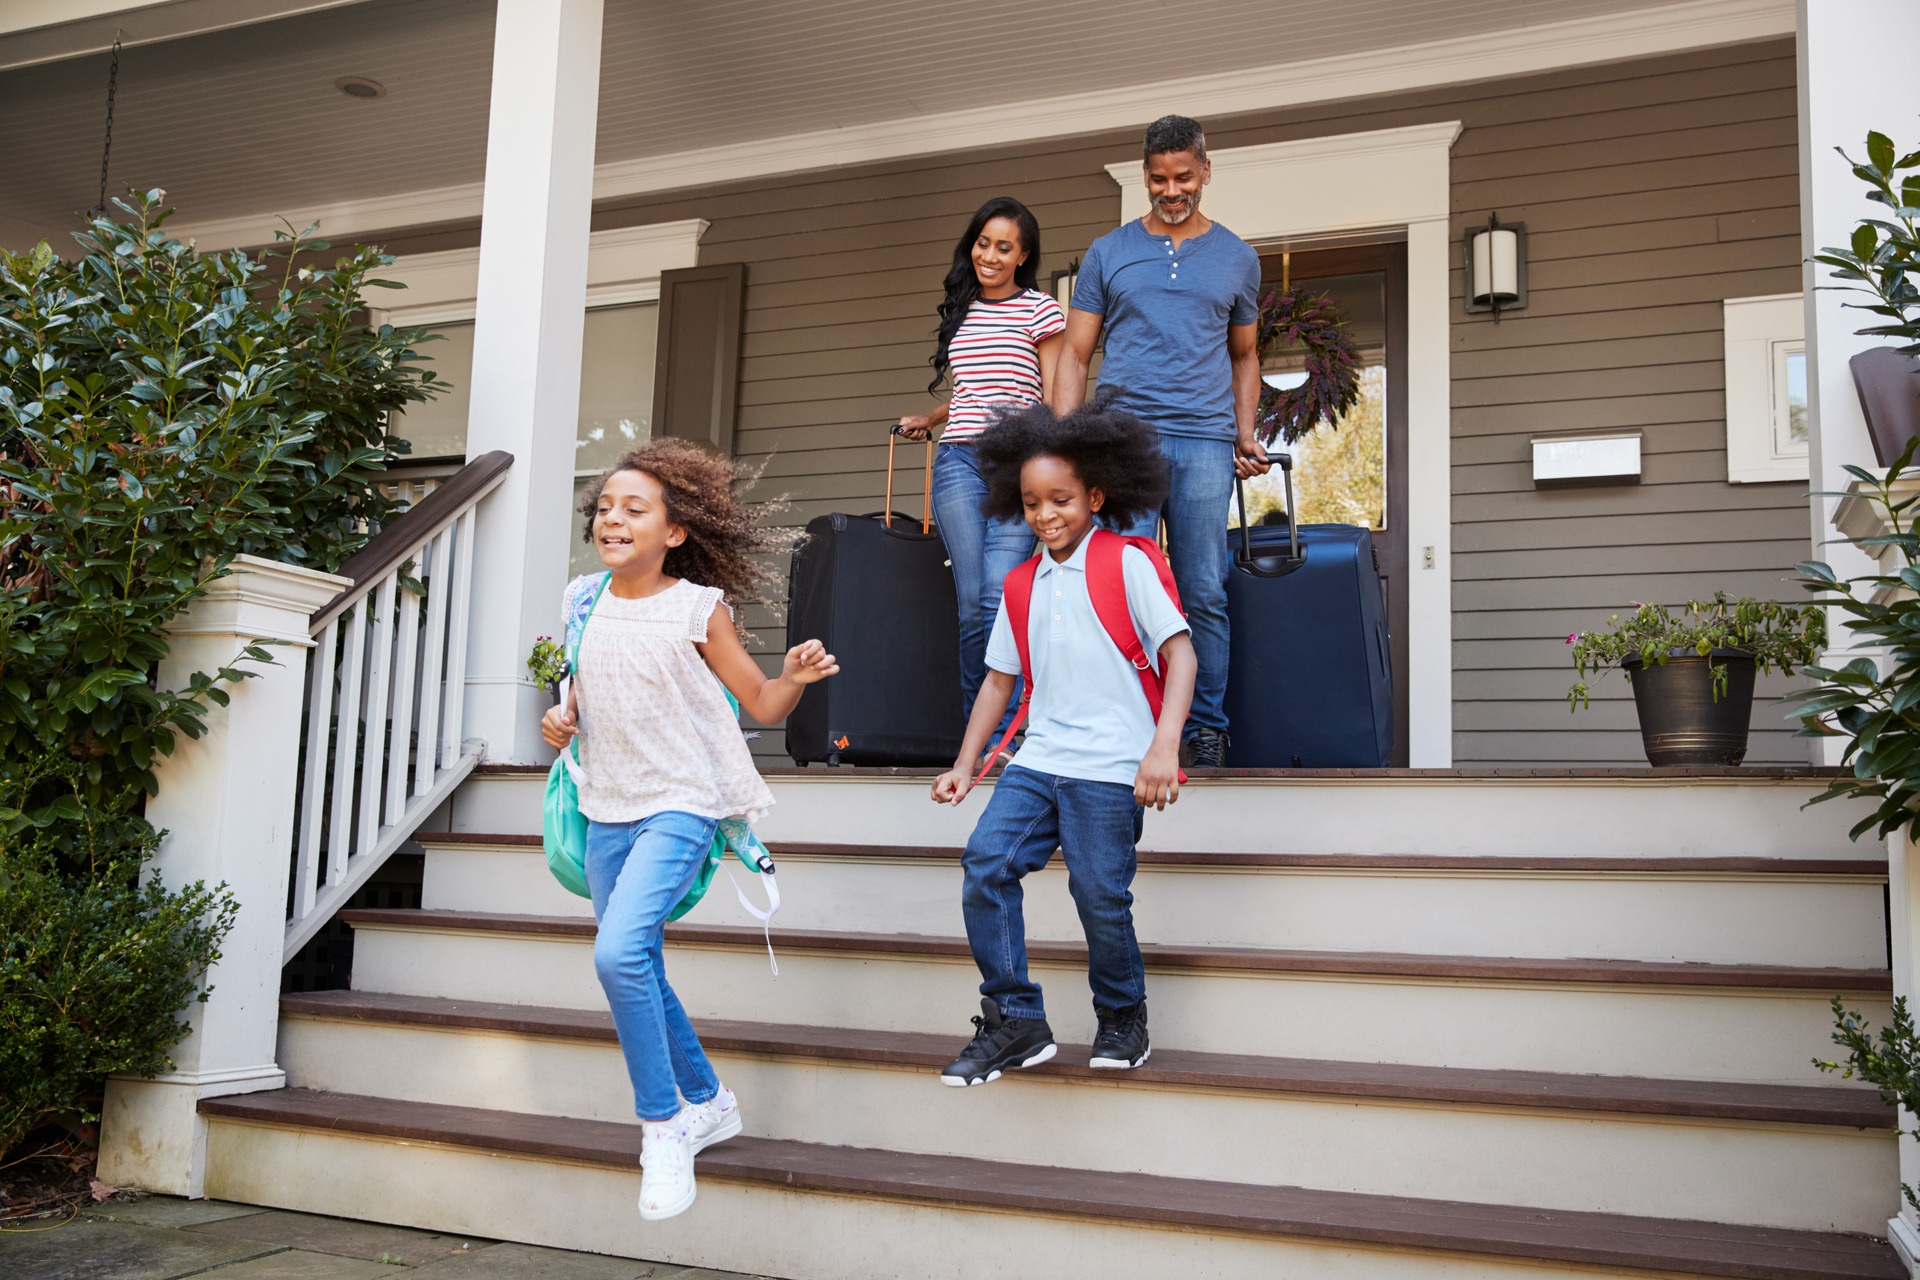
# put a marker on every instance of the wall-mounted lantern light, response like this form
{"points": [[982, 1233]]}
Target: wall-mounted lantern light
{"points": [[1063, 284], [1496, 266]]}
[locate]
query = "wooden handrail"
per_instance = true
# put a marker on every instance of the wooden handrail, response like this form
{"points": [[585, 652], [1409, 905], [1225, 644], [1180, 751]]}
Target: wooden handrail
{"points": [[397, 541]]}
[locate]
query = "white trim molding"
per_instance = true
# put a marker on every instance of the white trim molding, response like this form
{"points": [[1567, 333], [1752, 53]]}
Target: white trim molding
{"points": [[1393, 181], [1521, 50], [1760, 334], [623, 266]]}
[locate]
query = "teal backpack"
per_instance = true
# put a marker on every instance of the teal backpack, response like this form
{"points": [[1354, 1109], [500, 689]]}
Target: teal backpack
{"points": [[565, 828]]}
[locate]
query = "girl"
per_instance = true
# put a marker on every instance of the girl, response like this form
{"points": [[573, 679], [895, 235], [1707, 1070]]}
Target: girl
{"points": [[665, 762], [999, 337]]}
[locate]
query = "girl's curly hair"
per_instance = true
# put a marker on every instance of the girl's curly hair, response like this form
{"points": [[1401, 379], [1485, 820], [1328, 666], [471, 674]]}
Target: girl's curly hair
{"points": [[1108, 449], [727, 545]]}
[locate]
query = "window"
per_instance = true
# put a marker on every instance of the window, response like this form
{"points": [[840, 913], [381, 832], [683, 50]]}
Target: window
{"points": [[616, 397], [1766, 389]]}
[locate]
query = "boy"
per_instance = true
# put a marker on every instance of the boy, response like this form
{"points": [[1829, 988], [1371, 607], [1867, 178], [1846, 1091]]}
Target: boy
{"points": [[1096, 752]]}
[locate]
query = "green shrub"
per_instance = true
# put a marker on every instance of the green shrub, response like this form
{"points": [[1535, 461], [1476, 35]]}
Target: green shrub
{"points": [[162, 411], [1777, 635], [95, 966]]}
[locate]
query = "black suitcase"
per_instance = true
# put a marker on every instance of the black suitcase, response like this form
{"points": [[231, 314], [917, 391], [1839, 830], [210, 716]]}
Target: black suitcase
{"points": [[877, 591], [1310, 672]]}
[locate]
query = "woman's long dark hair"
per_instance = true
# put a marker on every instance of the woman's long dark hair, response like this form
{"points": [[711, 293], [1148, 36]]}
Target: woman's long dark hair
{"points": [[963, 286]]}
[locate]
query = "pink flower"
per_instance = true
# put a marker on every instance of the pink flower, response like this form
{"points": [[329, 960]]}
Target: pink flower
{"points": [[1573, 637]]}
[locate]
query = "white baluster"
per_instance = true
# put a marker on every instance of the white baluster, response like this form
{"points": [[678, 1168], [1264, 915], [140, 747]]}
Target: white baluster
{"points": [[406, 660], [457, 641], [379, 677], [353, 645], [313, 791], [426, 765]]}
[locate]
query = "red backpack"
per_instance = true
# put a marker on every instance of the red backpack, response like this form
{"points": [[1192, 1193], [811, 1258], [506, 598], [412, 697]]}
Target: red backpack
{"points": [[1107, 588]]}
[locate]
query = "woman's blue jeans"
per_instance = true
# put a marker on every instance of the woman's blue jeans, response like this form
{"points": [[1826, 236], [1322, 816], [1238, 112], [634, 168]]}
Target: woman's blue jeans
{"points": [[982, 551], [638, 872]]}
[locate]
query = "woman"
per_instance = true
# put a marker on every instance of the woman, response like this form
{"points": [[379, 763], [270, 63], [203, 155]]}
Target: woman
{"points": [[998, 339]]}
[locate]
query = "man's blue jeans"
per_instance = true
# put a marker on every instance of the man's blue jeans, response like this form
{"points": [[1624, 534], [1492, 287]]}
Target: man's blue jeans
{"points": [[1196, 511], [638, 872], [983, 552], [1095, 825]]}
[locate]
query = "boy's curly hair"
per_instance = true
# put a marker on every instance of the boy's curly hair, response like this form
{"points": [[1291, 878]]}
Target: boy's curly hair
{"points": [[726, 544], [1108, 449]]}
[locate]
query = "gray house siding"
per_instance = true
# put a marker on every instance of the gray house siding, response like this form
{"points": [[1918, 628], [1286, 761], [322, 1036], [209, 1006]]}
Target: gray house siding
{"points": [[1651, 191]]}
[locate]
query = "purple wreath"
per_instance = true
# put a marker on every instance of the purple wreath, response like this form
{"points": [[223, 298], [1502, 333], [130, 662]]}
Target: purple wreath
{"points": [[1296, 318]]}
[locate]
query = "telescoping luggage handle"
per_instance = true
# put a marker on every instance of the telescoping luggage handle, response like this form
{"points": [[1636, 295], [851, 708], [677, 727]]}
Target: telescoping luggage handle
{"points": [[1269, 566], [894, 433]]}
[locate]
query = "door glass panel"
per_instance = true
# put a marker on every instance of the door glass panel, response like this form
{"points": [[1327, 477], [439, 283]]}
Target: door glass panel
{"points": [[1339, 475]]}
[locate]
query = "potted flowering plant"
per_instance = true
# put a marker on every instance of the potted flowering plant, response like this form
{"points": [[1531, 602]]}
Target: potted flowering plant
{"points": [[547, 663], [1692, 674]]}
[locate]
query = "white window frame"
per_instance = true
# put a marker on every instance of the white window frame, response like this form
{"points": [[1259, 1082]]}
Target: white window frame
{"points": [[1761, 333], [623, 266]]}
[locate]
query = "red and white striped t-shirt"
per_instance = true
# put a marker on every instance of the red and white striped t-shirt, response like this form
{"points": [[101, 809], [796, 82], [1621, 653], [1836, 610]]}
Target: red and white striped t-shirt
{"points": [[996, 361]]}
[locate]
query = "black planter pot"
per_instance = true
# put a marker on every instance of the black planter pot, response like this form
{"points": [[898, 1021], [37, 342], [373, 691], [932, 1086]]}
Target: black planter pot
{"points": [[1680, 721]]}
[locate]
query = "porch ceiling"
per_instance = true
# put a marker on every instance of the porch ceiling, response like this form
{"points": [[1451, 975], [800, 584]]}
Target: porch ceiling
{"points": [[243, 120]]}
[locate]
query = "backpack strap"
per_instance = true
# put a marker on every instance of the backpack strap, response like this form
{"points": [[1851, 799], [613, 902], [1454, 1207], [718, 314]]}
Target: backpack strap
{"points": [[579, 615], [1017, 594], [1107, 588]]}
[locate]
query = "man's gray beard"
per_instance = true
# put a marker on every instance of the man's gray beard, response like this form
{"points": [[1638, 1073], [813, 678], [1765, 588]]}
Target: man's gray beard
{"points": [[1193, 207]]}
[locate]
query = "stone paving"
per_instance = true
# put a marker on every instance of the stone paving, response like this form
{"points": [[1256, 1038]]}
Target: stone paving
{"points": [[163, 1238]]}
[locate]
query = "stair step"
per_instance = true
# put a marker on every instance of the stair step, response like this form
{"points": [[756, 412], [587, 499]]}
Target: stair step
{"points": [[1685, 1021], [1844, 1106], [842, 1194], [1590, 812], [1800, 911], [1164, 956]]}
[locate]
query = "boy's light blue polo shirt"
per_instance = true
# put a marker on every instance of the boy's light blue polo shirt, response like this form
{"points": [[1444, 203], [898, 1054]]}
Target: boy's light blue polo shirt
{"points": [[1166, 309], [1089, 718]]}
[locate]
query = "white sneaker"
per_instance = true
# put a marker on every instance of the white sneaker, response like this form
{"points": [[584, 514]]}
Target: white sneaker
{"points": [[715, 1120], [666, 1185]]}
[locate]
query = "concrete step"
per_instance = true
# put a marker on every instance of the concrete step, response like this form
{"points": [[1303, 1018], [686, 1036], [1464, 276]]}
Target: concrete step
{"points": [[1792, 1156], [1809, 912], [1751, 1023], [813, 1212], [1660, 813]]}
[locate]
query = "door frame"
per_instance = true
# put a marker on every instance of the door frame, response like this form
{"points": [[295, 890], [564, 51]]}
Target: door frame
{"points": [[1389, 258], [1379, 185]]}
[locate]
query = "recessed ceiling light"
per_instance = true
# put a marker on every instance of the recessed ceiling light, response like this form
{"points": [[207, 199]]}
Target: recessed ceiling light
{"points": [[360, 87]]}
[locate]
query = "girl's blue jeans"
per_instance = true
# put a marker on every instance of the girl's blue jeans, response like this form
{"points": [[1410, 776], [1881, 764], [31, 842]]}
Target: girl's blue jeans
{"points": [[1095, 825], [638, 872], [983, 553]]}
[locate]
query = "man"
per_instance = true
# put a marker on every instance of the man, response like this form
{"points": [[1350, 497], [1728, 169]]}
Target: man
{"points": [[1178, 296]]}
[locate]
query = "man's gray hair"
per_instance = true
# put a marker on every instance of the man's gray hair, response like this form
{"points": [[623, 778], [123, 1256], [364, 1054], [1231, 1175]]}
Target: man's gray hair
{"points": [[1176, 133]]}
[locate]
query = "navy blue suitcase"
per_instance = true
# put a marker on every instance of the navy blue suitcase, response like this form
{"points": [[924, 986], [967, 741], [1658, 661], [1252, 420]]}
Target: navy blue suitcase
{"points": [[1310, 676]]}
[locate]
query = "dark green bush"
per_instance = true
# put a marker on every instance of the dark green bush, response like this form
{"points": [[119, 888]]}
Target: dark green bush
{"points": [[95, 967], [161, 412]]}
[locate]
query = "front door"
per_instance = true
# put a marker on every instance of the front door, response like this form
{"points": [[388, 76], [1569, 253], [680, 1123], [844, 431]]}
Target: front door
{"points": [[1356, 474]]}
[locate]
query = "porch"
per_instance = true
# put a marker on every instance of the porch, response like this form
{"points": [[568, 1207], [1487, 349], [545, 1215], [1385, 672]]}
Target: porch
{"points": [[1522, 1008]]}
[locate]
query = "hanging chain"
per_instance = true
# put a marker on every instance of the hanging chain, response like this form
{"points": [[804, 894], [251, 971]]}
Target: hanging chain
{"points": [[106, 150]]}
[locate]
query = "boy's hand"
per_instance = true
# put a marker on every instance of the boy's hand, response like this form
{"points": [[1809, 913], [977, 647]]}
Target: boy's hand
{"points": [[557, 727], [807, 663], [1157, 783], [952, 786]]}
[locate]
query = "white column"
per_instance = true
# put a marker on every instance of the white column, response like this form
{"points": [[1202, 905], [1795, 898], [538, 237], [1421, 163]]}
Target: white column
{"points": [[226, 804], [526, 349], [1429, 514], [1841, 99]]}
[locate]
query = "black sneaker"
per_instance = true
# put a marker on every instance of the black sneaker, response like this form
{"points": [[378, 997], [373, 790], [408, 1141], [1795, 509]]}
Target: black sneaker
{"points": [[1122, 1042], [1204, 749], [999, 1044]]}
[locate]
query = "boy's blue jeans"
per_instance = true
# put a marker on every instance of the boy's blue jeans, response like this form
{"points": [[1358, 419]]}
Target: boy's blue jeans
{"points": [[1095, 825], [983, 552], [1198, 503], [638, 872]]}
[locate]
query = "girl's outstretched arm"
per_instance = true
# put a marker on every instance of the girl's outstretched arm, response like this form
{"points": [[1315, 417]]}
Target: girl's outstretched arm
{"points": [[766, 700]]}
